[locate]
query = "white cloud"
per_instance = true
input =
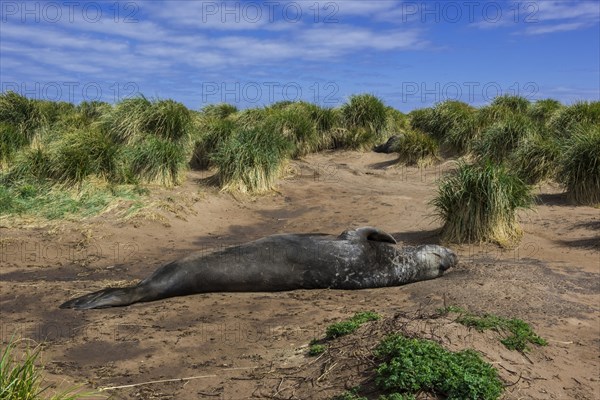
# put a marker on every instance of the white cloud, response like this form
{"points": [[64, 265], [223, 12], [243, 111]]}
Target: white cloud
{"points": [[563, 27]]}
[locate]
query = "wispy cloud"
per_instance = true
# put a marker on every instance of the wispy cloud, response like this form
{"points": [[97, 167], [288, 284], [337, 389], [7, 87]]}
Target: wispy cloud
{"points": [[545, 17]]}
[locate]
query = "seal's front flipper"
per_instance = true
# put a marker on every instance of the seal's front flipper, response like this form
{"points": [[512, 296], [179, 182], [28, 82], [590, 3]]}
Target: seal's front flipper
{"points": [[368, 233]]}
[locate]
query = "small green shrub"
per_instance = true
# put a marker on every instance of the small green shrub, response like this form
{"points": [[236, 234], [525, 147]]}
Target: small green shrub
{"points": [[479, 203], [350, 325], [251, 160], [580, 165], [412, 365], [416, 148], [315, 349]]}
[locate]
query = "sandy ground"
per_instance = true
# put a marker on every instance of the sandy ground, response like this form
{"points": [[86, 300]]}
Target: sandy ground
{"points": [[239, 346]]}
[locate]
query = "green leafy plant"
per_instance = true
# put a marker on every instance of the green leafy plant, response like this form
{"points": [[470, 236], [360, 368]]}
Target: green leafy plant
{"points": [[350, 325], [315, 349], [412, 365], [517, 333]]}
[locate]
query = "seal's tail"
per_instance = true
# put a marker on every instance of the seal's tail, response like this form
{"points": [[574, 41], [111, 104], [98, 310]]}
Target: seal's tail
{"points": [[111, 297]]}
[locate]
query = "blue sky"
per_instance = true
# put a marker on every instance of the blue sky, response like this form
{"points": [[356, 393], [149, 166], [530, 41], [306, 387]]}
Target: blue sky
{"points": [[250, 53]]}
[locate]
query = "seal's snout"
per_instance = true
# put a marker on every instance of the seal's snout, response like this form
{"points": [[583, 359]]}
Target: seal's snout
{"points": [[449, 260]]}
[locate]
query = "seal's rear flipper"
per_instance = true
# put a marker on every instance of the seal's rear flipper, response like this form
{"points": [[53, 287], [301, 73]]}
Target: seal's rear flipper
{"points": [[369, 233], [110, 297]]}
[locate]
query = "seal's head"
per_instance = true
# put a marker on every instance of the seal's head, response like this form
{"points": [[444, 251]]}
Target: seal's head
{"points": [[434, 260]]}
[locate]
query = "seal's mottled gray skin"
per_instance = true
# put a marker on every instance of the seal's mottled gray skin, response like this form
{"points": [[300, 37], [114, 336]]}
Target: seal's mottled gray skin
{"points": [[357, 259]]}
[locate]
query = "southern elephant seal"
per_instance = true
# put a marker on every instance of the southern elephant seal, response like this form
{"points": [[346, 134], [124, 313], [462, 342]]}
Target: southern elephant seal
{"points": [[357, 259]]}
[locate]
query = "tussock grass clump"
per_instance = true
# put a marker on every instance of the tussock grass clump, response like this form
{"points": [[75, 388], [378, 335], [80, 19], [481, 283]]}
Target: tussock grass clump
{"points": [[453, 123], [395, 121], [422, 119], [412, 365], [479, 202], [297, 121], [501, 109], [501, 138], [213, 132], [21, 377], [30, 165], [251, 117], [416, 148], [364, 119], [131, 119], [542, 110], [537, 159], [20, 112], [221, 110], [91, 111], [580, 166], [564, 121], [251, 160], [81, 153], [515, 104], [168, 119], [365, 111], [11, 141], [125, 122], [158, 160]]}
